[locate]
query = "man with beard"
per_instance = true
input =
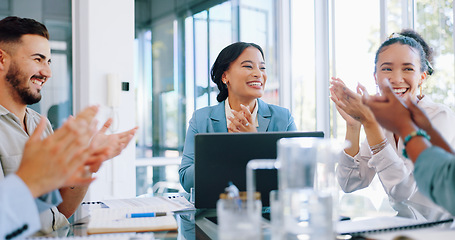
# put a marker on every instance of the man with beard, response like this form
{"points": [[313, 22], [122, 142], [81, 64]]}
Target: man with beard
{"points": [[47, 164], [25, 58]]}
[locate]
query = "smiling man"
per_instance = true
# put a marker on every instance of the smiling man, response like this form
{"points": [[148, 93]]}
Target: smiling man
{"points": [[25, 58], [24, 68], [34, 57]]}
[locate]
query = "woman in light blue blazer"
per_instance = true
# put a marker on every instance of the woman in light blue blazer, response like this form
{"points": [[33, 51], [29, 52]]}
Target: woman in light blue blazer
{"points": [[239, 72]]}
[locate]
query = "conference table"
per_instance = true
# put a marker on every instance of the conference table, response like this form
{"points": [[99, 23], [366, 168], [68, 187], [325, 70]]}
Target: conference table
{"points": [[365, 205]]}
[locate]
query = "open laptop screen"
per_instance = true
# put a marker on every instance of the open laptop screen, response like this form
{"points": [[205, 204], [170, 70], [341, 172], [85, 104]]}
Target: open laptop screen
{"points": [[222, 157]]}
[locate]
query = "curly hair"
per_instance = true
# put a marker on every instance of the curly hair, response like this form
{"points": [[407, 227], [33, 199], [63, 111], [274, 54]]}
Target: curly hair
{"points": [[426, 48], [404, 40]]}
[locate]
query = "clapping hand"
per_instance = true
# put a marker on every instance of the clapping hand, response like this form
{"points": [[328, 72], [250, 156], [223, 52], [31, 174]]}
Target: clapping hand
{"points": [[390, 111], [108, 146], [60, 159], [349, 104], [242, 121]]}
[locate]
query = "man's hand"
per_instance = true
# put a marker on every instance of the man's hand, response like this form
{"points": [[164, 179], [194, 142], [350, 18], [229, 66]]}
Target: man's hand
{"points": [[105, 146], [390, 111], [59, 159]]}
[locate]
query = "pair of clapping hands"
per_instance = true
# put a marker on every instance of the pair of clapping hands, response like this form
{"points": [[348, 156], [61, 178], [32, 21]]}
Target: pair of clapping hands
{"points": [[400, 116], [70, 155], [390, 111], [242, 120]]}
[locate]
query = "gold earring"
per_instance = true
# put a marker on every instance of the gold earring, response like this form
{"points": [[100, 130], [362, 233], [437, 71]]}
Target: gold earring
{"points": [[421, 91]]}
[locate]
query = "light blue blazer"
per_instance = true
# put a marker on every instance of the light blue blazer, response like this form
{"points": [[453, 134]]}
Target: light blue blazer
{"points": [[271, 118], [19, 215]]}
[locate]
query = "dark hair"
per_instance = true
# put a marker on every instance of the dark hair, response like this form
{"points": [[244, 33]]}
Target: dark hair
{"points": [[13, 28], [222, 63], [427, 49], [403, 40]]}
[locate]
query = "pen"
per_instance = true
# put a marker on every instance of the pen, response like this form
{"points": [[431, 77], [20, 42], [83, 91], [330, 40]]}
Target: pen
{"points": [[148, 214], [233, 192]]}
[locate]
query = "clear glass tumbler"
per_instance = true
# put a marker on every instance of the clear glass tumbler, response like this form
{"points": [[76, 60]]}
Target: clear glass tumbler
{"points": [[237, 219]]}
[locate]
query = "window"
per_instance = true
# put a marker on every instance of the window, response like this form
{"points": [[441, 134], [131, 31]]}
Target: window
{"points": [[355, 40], [209, 31], [354, 48], [434, 21], [303, 65]]}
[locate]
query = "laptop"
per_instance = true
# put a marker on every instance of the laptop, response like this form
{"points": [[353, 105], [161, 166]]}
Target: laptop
{"points": [[221, 158]]}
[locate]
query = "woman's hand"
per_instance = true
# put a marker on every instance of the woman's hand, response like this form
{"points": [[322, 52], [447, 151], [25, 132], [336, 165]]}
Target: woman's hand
{"points": [[349, 104], [242, 121], [349, 120]]}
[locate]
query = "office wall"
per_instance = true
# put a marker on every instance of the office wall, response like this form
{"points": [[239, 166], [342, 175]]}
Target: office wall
{"points": [[103, 43]]}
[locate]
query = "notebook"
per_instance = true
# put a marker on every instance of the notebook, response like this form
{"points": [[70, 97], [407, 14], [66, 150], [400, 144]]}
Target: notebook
{"points": [[384, 224], [222, 157], [111, 236], [113, 217], [106, 220]]}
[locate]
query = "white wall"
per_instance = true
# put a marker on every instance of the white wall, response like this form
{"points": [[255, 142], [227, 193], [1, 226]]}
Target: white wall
{"points": [[103, 43]]}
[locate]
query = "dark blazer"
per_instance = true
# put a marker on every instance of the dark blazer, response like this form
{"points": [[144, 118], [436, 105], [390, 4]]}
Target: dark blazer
{"points": [[271, 118]]}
